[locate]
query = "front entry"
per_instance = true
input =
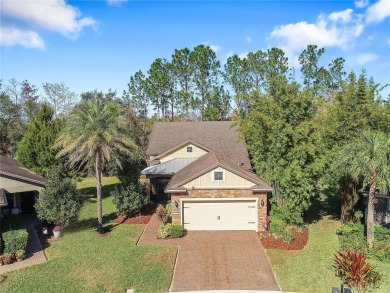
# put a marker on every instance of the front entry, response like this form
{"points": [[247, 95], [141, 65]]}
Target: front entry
{"points": [[220, 215], [157, 191]]}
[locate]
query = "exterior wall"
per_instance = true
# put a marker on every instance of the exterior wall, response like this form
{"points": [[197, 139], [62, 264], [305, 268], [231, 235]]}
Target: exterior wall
{"points": [[182, 153], [380, 210], [221, 193], [231, 180]]}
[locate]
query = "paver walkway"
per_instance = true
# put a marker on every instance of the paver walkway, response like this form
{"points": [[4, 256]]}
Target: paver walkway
{"points": [[34, 250], [216, 260]]}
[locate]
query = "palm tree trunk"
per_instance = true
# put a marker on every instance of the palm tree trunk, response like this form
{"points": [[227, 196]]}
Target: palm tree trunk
{"points": [[98, 173], [370, 210]]}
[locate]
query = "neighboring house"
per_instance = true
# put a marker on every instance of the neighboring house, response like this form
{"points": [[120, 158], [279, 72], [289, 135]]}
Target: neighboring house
{"points": [[382, 210], [204, 169], [20, 186]]}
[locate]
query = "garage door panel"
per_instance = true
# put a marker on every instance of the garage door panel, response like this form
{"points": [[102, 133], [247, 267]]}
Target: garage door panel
{"points": [[220, 215]]}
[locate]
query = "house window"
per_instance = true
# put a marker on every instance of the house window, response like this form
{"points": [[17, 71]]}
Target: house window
{"points": [[218, 176], [189, 149]]}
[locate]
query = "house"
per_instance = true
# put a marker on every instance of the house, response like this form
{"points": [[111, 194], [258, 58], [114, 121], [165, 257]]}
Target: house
{"points": [[19, 185], [205, 170], [381, 206]]}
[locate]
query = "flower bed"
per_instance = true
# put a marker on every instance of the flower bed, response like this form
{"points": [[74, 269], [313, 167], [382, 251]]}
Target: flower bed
{"points": [[299, 242]]}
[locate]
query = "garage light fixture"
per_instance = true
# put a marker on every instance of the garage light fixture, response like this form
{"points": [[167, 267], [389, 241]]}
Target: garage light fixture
{"points": [[262, 203], [176, 204]]}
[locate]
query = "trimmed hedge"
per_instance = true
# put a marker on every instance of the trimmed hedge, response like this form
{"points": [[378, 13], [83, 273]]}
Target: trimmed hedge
{"points": [[15, 240], [175, 231], [14, 234]]}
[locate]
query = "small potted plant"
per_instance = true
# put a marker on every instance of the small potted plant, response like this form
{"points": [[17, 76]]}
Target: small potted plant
{"points": [[57, 231]]}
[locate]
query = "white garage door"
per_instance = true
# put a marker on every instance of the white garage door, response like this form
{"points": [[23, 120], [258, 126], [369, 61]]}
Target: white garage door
{"points": [[220, 215]]}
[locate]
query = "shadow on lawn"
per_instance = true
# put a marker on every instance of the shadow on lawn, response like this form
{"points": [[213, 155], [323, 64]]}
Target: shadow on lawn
{"points": [[88, 193], [327, 206], [91, 223]]}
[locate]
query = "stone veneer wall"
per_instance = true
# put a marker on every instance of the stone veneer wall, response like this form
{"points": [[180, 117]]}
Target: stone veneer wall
{"points": [[220, 193]]}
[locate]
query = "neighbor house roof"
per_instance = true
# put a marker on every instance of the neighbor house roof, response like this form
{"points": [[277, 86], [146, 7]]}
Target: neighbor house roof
{"points": [[219, 136], [208, 162], [168, 167], [10, 167]]}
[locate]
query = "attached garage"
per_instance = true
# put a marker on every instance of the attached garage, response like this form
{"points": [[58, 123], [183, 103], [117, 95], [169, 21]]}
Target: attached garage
{"points": [[220, 214]]}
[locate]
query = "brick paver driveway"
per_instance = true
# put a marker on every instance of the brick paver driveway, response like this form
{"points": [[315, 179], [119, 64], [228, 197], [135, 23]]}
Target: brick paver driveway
{"points": [[217, 260]]}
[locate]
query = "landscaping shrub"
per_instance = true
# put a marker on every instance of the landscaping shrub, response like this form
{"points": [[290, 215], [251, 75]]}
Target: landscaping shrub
{"points": [[15, 240], [129, 199], [351, 236], [353, 270], [177, 231], [59, 203], [164, 230], [278, 228], [382, 234], [163, 214]]}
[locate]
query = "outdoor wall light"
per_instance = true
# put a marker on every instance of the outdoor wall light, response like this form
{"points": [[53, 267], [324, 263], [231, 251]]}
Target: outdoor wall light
{"points": [[176, 204], [262, 203]]}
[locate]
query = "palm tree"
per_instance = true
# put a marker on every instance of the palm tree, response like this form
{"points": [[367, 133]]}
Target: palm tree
{"points": [[95, 132], [369, 158]]}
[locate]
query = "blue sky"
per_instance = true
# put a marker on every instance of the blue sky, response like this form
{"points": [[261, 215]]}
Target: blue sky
{"points": [[99, 44]]}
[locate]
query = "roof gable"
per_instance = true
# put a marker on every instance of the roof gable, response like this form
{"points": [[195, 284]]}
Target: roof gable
{"points": [[208, 163], [218, 136]]}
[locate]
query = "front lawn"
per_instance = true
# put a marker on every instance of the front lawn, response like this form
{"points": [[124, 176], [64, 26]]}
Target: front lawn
{"points": [[311, 269], [83, 261]]}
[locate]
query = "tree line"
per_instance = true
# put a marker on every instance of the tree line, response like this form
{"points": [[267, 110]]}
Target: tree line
{"points": [[296, 123]]}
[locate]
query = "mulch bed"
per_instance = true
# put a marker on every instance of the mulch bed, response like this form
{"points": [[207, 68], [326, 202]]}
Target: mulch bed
{"points": [[299, 242], [143, 218]]}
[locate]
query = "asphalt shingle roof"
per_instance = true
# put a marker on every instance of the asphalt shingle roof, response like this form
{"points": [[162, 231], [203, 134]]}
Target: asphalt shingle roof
{"points": [[12, 168], [215, 135]]}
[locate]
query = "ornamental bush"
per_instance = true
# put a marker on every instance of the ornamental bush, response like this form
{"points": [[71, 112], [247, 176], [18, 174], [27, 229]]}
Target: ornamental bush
{"points": [[177, 231], [129, 199], [59, 202], [278, 228], [353, 269], [15, 240]]}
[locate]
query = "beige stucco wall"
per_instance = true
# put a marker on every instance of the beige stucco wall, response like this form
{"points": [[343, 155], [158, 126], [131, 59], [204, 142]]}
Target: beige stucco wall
{"points": [[182, 153], [231, 180], [12, 186], [221, 193]]}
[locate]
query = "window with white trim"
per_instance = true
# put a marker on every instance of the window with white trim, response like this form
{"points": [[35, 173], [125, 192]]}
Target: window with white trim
{"points": [[189, 149], [218, 176]]}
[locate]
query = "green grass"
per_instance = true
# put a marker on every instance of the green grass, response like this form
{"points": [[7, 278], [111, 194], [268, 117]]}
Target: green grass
{"points": [[83, 261], [311, 269]]}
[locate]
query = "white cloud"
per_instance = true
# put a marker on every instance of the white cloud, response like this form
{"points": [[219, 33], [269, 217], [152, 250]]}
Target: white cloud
{"points": [[248, 39], [116, 3], [243, 55], [344, 16], [215, 48], [361, 3], [365, 58], [54, 15], [378, 11], [13, 36], [338, 29]]}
